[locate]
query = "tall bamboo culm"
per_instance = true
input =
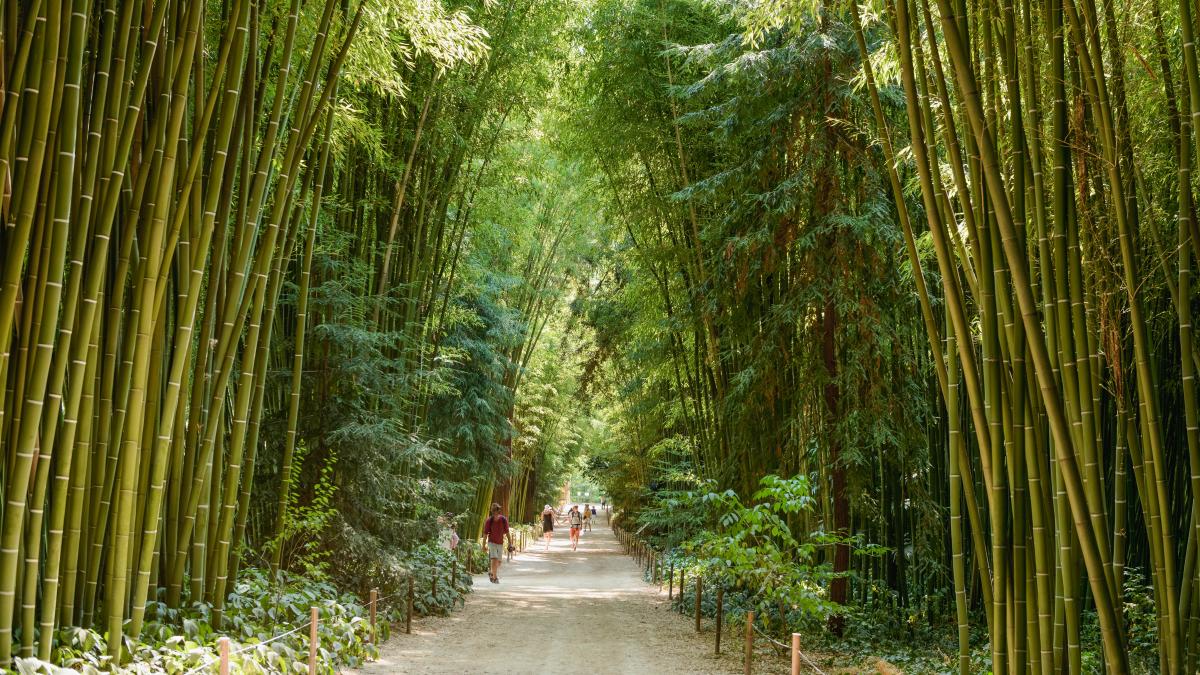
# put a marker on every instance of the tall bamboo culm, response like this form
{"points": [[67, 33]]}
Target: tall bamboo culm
{"points": [[1050, 245], [151, 211]]}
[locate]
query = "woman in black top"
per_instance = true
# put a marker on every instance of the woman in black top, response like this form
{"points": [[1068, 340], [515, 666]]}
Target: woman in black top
{"points": [[548, 525]]}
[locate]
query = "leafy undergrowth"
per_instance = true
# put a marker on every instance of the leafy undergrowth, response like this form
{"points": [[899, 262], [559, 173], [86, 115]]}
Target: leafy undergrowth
{"points": [[887, 640], [881, 640], [762, 567], [916, 646], [267, 624]]}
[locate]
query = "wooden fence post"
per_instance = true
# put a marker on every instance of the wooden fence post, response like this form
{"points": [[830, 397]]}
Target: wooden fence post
{"points": [[409, 613], [699, 597], [795, 654], [749, 642], [223, 645], [374, 600], [720, 615], [671, 583], [312, 643], [682, 582]]}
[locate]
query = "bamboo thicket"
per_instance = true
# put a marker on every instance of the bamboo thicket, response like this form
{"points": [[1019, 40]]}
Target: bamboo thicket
{"points": [[1051, 244], [154, 157]]}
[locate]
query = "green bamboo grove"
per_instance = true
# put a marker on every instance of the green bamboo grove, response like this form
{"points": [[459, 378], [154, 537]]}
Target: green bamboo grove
{"points": [[947, 239], [246, 246], [1066, 340], [156, 164], [936, 256]]}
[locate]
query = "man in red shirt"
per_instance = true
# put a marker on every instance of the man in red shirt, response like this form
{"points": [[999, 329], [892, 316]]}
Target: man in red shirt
{"points": [[495, 529]]}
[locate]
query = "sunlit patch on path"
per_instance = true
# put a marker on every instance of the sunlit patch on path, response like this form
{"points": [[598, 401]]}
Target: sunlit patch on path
{"points": [[586, 611]]}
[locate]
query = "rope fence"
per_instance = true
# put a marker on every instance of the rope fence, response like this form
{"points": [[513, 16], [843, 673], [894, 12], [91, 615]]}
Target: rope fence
{"points": [[797, 654], [402, 599], [268, 641], [226, 654], [776, 643], [653, 567]]}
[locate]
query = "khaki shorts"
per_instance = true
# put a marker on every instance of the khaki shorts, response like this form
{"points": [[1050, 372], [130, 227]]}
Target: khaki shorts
{"points": [[495, 551]]}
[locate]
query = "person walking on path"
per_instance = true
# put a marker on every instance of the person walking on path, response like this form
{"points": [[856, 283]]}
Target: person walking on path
{"points": [[494, 532], [547, 525], [587, 517], [448, 537], [576, 520]]}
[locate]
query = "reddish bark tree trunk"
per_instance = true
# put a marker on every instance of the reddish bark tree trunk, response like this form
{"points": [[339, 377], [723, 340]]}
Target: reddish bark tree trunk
{"points": [[839, 587]]}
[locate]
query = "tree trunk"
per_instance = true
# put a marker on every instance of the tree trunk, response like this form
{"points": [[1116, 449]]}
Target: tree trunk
{"points": [[839, 587]]}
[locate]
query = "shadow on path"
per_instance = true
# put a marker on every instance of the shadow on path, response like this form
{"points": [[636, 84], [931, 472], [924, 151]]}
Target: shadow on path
{"points": [[562, 611]]}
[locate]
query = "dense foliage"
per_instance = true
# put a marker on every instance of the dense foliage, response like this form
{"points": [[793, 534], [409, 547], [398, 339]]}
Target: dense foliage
{"points": [[268, 299], [289, 288], [759, 282], [936, 257]]}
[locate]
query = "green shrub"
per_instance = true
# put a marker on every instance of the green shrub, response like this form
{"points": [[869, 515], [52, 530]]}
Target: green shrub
{"points": [[751, 551], [429, 561], [177, 641]]}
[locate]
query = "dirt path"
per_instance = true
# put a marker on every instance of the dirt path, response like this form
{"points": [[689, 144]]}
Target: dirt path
{"points": [[586, 611]]}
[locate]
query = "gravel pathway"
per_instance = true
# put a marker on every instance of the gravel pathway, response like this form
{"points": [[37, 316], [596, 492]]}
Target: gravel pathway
{"points": [[560, 611]]}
